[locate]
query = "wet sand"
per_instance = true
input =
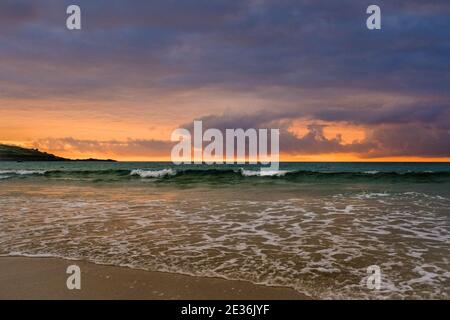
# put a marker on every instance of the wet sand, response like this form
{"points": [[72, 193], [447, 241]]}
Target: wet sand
{"points": [[45, 278]]}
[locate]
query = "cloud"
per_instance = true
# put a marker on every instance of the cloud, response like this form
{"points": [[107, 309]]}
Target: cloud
{"points": [[409, 140], [385, 140], [419, 134], [16, 13], [128, 148], [239, 45], [382, 114], [292, 59]]}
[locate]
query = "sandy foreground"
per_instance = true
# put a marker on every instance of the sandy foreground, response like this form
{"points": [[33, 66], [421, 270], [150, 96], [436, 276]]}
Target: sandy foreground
{"points": [[45, 278]]}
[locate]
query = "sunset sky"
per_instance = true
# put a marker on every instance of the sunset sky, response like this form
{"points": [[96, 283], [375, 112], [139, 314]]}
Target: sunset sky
{"points": [[139, 69]]}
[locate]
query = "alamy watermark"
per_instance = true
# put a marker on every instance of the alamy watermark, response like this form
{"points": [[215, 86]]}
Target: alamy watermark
{"points": [[374, 20], [73, 282], [73, 21], [229, 148], [373, 281]]}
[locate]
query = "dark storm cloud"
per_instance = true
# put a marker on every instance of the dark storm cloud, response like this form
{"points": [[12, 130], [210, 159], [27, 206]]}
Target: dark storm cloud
{"points": [[376, 114], [409, 140], [313, 142], [383, 141], [236, 44], [379, 114], [421, 136]]}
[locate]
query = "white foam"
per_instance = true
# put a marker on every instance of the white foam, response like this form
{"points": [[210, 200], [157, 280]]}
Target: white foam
{"points": [[153, 173], [371, 172], [29, 255], [296, 242], [263, 173], [22, 172], [370, 195]]}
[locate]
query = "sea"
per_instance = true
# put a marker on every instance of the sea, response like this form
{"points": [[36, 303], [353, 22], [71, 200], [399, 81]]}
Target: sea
{"points": [[318, 228]]}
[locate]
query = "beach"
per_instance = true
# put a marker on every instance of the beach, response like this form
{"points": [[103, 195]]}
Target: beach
{"points": [[45, 278], [312, 230]]}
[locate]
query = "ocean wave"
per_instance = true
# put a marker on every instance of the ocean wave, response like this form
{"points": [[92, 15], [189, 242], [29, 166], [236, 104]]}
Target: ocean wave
{"points": [[153, 173], [23, 172], [263, 173], [231, 174]]}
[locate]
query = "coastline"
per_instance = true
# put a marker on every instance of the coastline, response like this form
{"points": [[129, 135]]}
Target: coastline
{"points": [[45, 278]]}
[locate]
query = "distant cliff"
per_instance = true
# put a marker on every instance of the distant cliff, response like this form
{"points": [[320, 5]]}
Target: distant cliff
{"points": [[14, 153]]}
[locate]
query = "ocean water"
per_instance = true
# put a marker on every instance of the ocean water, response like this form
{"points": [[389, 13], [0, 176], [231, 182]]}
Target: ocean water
{"points": [[313, 227]]}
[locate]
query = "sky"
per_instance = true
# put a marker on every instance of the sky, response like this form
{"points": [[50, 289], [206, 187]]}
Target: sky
{"points": [[137, 70]]}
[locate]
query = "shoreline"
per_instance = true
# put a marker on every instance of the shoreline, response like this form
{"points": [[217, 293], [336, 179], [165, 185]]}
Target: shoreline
{"points": [[45, 278]]}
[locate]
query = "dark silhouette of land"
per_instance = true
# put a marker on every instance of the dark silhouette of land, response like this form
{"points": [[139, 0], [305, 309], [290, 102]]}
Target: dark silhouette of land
{"points": [[15, 153]]}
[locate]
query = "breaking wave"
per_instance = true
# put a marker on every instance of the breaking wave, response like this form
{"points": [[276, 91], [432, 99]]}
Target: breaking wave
{"points": [[153, 173], [263, 173], [22, 172]]}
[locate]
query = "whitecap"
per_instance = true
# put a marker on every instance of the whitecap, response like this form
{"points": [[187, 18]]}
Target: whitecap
{"points": [[371, 172], [153, 173], [22, 172], [263, 173]]}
